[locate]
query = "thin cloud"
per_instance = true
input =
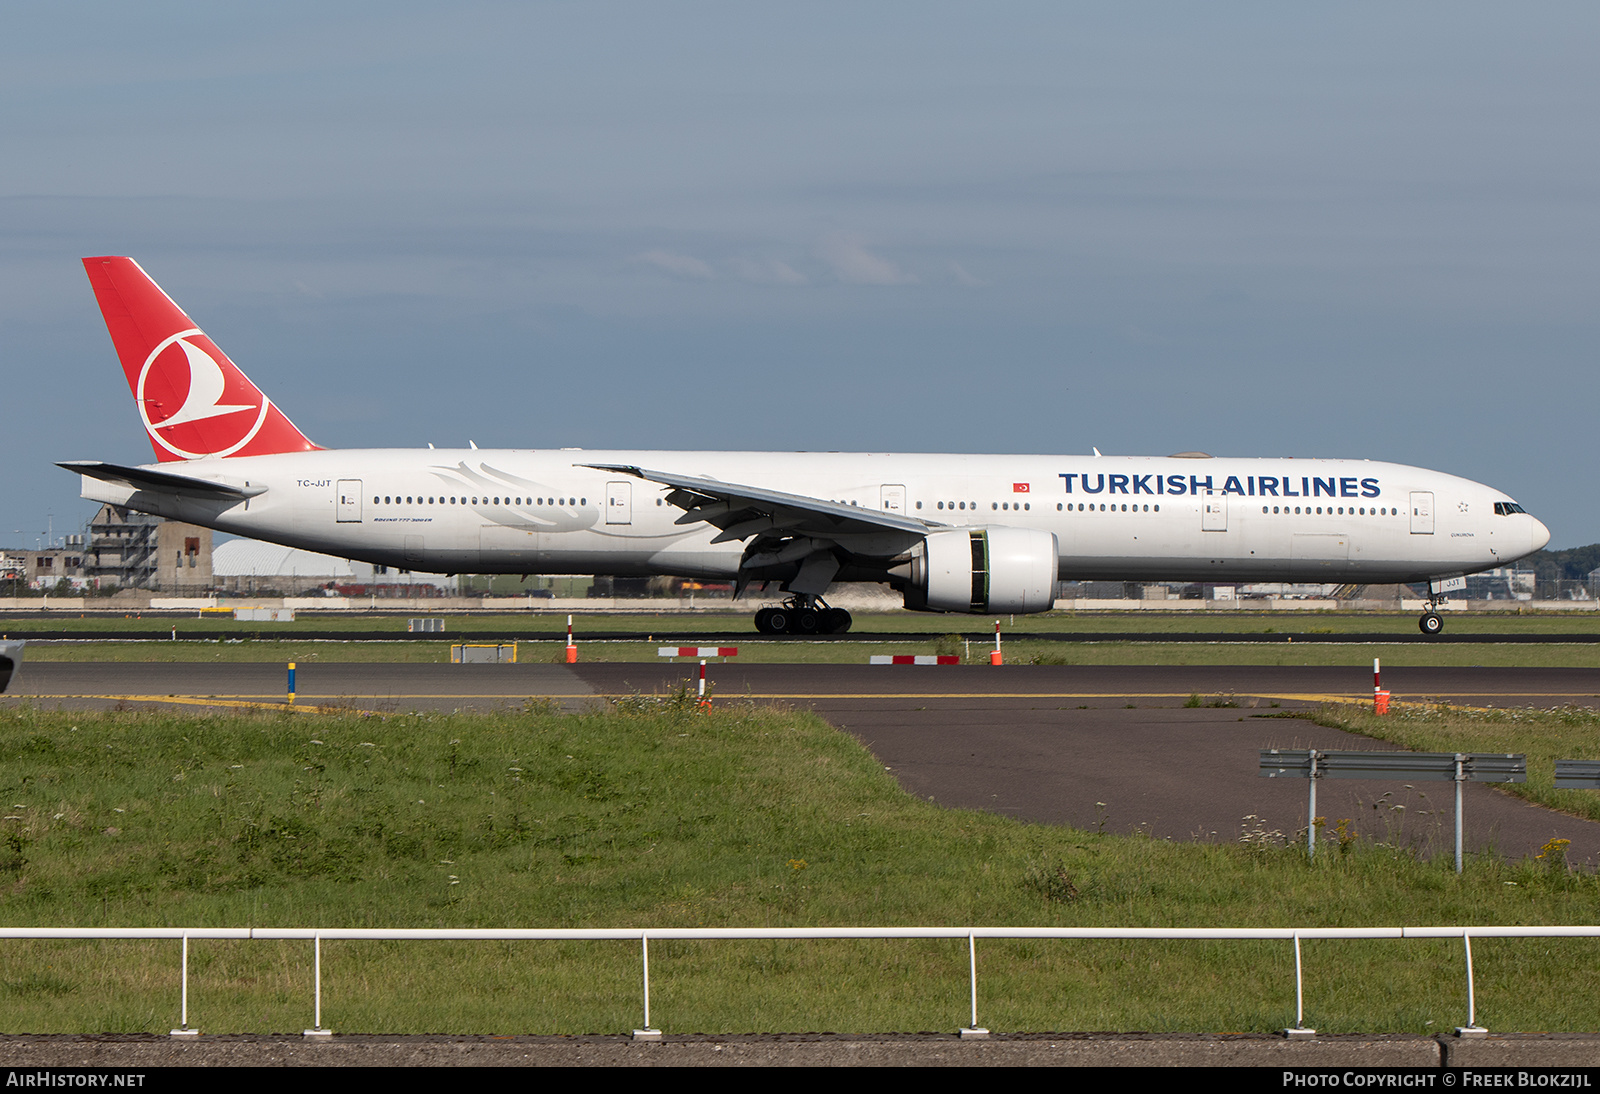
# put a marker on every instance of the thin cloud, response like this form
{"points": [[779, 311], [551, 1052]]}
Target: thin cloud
{"points": [[959, 272], [766, 271], [677, 265], [851, 261]]}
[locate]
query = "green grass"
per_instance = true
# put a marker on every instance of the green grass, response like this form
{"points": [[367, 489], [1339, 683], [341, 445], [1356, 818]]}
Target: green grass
{"points": [[1394, 655], [653, 814]]}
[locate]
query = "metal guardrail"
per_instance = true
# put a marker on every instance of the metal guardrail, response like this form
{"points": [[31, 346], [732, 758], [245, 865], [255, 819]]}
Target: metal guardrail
{"points": [[1578, 774], [1456, 767], [700, 934]]}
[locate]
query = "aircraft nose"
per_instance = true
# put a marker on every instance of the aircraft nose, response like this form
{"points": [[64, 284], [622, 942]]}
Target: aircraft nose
{"points": [[1539, 535]]}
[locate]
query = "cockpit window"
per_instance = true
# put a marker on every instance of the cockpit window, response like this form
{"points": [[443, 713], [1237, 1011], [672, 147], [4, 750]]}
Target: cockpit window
{"points": [[1506, 508]]}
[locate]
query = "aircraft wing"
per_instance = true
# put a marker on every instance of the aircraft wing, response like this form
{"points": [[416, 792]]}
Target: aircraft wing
{"points": [[744, 511], [162, 482]]}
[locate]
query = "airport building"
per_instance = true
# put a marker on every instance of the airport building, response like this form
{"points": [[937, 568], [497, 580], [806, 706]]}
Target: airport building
{"points": [[45, 568], [129, 550]]}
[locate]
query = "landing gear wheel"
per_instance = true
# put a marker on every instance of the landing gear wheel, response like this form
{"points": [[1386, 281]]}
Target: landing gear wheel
{"points": [[1431, 623], [805, 615]]}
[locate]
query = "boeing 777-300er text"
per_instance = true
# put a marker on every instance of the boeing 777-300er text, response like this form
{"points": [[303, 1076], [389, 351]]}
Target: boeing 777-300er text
{"points": [[980, 534]]}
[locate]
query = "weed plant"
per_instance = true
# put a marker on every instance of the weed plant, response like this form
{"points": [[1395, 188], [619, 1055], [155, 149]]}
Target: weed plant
{"points": [[654, 812]]}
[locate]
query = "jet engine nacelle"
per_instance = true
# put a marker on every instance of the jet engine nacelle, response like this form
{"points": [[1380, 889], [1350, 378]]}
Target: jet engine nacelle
{"points": [[984, 570]]}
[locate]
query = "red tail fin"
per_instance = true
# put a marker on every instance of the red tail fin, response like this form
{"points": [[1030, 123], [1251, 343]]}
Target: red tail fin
{"points": [[193, 401]]}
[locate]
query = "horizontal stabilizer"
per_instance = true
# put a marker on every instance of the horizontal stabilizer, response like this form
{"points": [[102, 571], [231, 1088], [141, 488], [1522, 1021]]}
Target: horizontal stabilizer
{"points": [[163, 482]]}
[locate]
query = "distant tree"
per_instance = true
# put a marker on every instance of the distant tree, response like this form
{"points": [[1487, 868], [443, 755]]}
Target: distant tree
{"points": [[1568, 564]]}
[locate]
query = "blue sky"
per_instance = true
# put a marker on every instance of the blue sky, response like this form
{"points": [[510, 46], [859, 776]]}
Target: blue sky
{"points": [[1362, 230]]}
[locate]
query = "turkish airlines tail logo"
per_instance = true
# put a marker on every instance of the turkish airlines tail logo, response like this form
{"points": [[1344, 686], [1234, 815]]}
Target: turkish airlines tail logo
{"points": [[193, 401]]}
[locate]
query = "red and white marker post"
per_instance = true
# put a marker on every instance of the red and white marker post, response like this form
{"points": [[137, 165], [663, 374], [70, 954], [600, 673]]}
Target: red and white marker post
{"points": [[702, 652], [1380, 698], [572, 650], [995, 658], [697, 651]]}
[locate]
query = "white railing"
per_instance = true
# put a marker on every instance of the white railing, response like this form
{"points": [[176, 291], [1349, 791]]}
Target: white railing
{"points": [[702, 934]]}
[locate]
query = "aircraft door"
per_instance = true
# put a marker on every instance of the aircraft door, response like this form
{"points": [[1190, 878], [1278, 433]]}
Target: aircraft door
{"points": [[892, 499], [1422, 512], [619, 503], [1213, 514], [348, 511]]}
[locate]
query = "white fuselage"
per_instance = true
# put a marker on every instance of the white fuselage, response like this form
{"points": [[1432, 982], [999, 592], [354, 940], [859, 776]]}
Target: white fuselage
{"points": [[1117, 518]]}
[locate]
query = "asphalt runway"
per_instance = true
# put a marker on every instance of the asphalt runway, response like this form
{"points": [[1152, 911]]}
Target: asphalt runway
{"points": [[1095, 747]]}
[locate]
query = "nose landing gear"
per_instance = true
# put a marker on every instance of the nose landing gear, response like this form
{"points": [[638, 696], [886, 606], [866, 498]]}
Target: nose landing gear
{"points": [[1431, 623], [803, 614]]}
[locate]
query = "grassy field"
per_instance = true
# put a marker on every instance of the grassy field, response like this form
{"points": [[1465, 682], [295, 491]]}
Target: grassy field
{"points": [[652, 813]]}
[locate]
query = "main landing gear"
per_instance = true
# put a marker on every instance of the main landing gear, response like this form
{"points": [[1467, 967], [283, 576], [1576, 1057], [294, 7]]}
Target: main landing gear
{"points": [[802, 614]]}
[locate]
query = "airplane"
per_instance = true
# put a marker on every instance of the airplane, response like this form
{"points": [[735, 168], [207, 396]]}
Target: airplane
{"points": [[950, 533]]}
